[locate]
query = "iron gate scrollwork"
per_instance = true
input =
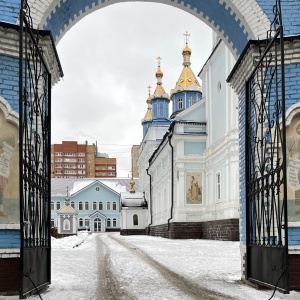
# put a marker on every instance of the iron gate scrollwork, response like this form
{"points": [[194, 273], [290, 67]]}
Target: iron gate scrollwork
{"points": [[34, 159], [266, 195]]}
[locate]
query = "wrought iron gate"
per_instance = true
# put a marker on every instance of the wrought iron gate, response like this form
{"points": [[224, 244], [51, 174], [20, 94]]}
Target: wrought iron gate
{"points": [[266, 195], [34, 158]]}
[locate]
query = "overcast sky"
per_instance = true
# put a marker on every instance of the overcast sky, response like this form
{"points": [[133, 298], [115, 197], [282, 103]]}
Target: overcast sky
{"points": [[109, 60]]}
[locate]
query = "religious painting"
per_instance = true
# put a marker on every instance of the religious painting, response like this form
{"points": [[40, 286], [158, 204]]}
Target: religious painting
{"points": [[293, 168], [194, 188], [9, 166]]}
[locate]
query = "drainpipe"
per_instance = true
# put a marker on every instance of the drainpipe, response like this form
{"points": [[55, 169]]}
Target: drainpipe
{"points": [[172, 180], [150, 196]]}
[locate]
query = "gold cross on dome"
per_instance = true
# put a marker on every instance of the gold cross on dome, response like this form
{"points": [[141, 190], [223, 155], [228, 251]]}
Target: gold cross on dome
{"points": [[149, 89], [186, 37], [158, 61]]}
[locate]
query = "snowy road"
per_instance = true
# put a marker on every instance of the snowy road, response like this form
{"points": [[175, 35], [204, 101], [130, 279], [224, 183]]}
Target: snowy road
{"points": [[154, 282], [108, 266]]}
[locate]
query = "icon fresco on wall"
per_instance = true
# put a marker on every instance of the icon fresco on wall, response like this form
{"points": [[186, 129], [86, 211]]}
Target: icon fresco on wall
{"points": [[194, 188], [9, 165], [293, 168]]}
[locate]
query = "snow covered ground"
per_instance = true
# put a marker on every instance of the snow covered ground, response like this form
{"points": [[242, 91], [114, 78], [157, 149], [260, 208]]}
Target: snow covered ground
{"points": [[147, 268]]}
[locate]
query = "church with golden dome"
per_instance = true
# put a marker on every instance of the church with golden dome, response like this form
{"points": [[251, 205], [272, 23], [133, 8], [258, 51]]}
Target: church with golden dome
{"points": [[186, 155]]}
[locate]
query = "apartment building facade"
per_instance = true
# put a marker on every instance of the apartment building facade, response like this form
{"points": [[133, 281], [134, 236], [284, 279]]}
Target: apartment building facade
{"points": [[73, 160]]}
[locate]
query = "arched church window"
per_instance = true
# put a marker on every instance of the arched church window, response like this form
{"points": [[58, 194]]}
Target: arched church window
{"points": [[66, 225], [180, 103], [108, 222], [114, 205], [73, 204], [114, 222], [100, 206], [52, 205], [108, 205], [191, 101], [94, 205], [52, 222], [80, 206], [135, 219], [57, 205], [80, 222], [87, 223]]}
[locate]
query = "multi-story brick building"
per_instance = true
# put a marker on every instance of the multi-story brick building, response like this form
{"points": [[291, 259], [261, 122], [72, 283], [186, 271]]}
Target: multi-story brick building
{"points": [[72, 160]]}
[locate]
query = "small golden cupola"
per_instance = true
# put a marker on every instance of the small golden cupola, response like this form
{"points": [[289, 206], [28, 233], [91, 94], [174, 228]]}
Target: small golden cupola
{"points": [[159, 91], [187, 80], [148, 115], [132, 183]]}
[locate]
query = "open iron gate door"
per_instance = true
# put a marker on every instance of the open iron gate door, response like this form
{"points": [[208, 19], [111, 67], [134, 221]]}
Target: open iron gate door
{"points": [[34, 159], [266, 195]]}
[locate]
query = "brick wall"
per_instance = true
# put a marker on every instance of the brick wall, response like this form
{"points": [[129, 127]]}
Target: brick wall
{"points": [[9, 80], [294, 272], [227, 230], [290, 14], [9, 10], [294, 236], [9, 280], [9, 238]]}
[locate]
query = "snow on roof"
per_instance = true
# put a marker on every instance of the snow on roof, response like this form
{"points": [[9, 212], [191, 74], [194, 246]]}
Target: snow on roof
{"points": [[133, 199], [59, 186]]}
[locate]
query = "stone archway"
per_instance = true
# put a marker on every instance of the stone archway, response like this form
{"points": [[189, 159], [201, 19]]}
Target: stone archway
{"points": [[236, 22], [224, 17]]}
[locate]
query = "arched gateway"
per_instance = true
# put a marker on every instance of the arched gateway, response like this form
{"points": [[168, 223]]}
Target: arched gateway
{"points": [[236, 22]]}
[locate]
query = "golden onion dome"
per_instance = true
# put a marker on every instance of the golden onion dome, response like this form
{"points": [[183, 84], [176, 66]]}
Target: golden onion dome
{"points": [[159, 73], [186, 50], [148, 100]]}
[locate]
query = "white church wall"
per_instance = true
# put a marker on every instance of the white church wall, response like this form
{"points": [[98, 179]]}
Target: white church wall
{"points": [[128, 218]]}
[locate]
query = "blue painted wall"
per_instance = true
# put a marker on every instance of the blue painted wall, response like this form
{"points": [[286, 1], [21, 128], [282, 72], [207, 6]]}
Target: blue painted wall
{"points": [[290, 14], [90, 195], [191, 148], [9, 80], [9, 10], [9, 238]]}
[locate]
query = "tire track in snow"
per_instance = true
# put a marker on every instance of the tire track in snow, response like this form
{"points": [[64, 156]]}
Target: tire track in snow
{"points": [[108, 287], [190, 289]]}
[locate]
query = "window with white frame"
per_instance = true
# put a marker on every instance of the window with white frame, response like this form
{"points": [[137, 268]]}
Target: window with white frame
{"points": [[180, 103], [100, 206], [73, 204], [52, 205], [108, 205], [108, 222], [80, 222], [87, 223], [191, 100], [114, 205], [80, 206], [86, 205], [218, 186], [94, 205], [52, 222], [57, 205], [114, 222]]}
